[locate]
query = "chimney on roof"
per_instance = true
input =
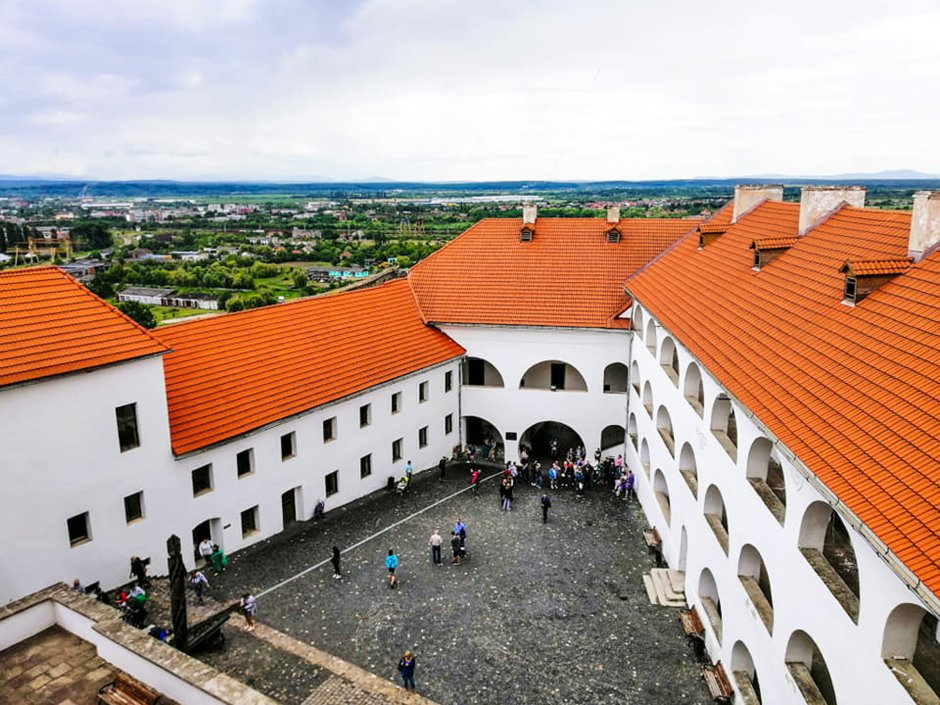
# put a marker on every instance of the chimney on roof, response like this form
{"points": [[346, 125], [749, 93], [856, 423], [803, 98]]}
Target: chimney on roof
{"points": [[819, 202], [925, 225], [530, 212], [613, 215], [747, 197]]}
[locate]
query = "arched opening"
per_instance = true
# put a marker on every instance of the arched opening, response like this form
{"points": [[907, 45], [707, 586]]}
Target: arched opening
{"points": [[688, 468], [612, 438], [765, 475], [637, 321], [753, 575], [648, 398], [911, 650], [645, 457], [538, 440], [209, 529], [669, 359], [635, 376], [808, 668], [554, 375], [827, 546], [710, 601], [683, 549], [651, 337], [661, 490], [745, 675], [724, 426], [664, 426], [694, 389], [484, 437], [631, 425], [615, 378], [477, 372], [716, 516]]}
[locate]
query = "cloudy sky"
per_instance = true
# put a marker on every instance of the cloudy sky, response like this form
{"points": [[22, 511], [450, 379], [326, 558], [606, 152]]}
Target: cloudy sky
{"points": [[475, 90]]}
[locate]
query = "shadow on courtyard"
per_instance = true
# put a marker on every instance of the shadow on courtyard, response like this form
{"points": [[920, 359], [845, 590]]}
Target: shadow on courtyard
{"points": [[539, 613]]}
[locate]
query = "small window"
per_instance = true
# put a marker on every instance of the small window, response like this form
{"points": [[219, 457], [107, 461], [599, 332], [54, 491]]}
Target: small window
{"points": [[448, 381], [329, 430], [249, 521], [365, 466], [245, 462], [851, 289], [332, 483], [422, 437], [423, 392], [757, 259], [365, 415], [288, 445], [396, 402], [396, 451], [79, 529], [202, 480], [127, 426], [134, 507], [448, 424]]}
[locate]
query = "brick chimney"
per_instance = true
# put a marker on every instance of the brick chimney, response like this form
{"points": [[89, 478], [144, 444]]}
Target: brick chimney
{"points": [[819, 202], [530, 212], [747, 197], [613, 215], [925, 225]]}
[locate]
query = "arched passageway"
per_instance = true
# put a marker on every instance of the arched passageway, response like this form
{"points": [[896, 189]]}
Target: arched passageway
{"points": [[808, 668], [612, 438], [538, 439], [911, 649], [745, 675], [827, 546], [554, 375], [484, 437], [615, 378], [477, 372]]}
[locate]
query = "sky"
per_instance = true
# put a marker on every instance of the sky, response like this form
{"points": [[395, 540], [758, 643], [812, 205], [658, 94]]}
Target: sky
{"points": [[438, 90]]}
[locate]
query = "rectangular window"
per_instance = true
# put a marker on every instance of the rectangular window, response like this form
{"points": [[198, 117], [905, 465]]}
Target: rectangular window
{"points": [[396, 402], [332, 483], [127, 426], [558, 375], [134, 507], [475, 372], [79, 529], [245, 462], [423, 392], [288, 445], [422, 437], [396, 451], [202, 480], [329, 430], [365, 415], [448, 424], [448, 381], [365, 466], [249, 521]]}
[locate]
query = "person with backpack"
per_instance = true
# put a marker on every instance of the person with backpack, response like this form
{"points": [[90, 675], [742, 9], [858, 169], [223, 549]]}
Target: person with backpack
{"points": [[391, 563]]}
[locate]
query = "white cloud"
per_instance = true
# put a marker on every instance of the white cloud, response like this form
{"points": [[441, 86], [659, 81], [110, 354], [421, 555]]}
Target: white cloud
{"points": [[441, 89]]}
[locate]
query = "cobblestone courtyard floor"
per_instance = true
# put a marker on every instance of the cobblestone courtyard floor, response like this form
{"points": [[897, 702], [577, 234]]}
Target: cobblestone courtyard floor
{"points": [[539, 613]]}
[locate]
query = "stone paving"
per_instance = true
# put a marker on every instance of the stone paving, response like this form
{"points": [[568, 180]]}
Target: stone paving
{"points": [[538, 613]]}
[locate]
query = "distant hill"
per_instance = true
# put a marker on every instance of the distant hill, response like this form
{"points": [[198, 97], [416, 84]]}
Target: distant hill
{"points": [[888, 175]]}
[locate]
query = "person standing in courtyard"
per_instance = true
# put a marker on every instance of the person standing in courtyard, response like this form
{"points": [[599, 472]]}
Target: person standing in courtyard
{"points": [[200, 583], [435, 543], [219, 559], [455, 547], [409, 471], [249, 606], [629, 485], [406, 666], [546, 505], [205, 550], [139, 570], [391, 564], [334, 559], [442, 466], [475, 481]]}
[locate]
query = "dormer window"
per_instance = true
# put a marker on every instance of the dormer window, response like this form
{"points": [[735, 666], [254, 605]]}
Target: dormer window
{"points": [[862, 277], [851, 287], [767, 249], [526, 234], [756, 260], [613, 236], [709, 232]]}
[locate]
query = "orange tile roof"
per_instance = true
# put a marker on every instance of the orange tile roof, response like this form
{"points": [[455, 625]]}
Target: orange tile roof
{"points": [[232, 374], [773, 243], [569, 275], [869, 267], [50, 325], [854, 391]]}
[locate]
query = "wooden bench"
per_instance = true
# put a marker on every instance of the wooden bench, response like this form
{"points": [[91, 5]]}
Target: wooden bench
{"points": [[718, 684], [654, 544], [694, 630], [124, 690]]}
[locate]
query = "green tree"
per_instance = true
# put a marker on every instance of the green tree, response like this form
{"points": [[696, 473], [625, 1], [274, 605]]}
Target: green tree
{"points": [[138, 312], [96, 236]]}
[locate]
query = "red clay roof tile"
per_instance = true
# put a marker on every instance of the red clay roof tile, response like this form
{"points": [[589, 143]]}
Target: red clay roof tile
{"points": [[51, 325]]}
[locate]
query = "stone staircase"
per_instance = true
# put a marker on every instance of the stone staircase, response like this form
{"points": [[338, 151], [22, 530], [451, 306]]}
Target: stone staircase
{"points": [[665, 587]]}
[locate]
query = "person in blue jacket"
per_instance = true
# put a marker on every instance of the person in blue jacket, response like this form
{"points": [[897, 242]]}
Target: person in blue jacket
{"points": [[391, 562], [406, 666]]}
